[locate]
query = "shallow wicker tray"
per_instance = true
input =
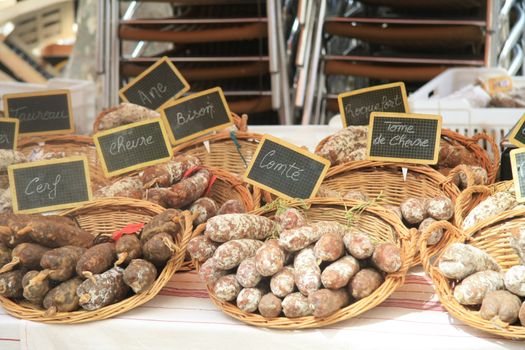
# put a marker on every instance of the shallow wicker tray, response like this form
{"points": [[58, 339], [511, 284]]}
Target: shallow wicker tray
{"points": [[69, 145], [105, 217], [386, 180], [492, 236], [382, 225]]}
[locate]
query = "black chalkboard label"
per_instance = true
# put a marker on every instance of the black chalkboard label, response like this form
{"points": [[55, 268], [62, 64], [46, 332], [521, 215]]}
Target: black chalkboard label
{"points": [[286, 170], [156, 86], [197, 114], [356, 106], [517, 162], [517, 135], [50, 184], [8, 133], [133, 146], [42, 112], [405, 138]]}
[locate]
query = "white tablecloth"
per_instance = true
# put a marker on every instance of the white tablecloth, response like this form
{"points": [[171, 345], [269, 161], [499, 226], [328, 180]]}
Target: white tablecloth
{"points": [[181, 317]]}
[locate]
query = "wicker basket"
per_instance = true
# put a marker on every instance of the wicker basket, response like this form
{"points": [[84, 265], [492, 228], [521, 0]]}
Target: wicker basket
{"points": [[493, 238], [69, 145], [226, 187], [104, 217], [472, 144], [473, 195], [224, 152], [386, 179], [380, 223], [241, 122]]}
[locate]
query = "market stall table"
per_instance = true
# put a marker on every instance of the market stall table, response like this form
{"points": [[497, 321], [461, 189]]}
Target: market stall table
{"points": [[182, 316]]}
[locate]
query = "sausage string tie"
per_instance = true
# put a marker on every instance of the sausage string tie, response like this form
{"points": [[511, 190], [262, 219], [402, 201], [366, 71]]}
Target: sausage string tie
{"points": [[233, 136], [196, 168], [127, 230]]}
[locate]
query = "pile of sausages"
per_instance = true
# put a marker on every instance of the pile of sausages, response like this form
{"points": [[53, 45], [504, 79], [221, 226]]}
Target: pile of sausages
{"points": [[311, 269], [478, 281], [56, 265], [414, 212], [168, 184], [180, 183]]}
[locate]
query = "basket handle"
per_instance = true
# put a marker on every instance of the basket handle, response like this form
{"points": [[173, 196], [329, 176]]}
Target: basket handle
{"points": [[454, 235], [465, 202], [241, 122], [257, 197], [186, 223], [410, 249], [495, 150], [462, 168]]}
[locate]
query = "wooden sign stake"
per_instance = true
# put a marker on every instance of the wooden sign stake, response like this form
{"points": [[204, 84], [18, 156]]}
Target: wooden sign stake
{"points": [[405, 173]]}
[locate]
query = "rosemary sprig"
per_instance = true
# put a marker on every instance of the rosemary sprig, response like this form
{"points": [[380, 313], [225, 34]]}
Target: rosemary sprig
{"points": [[280, 205], [353, 213]]}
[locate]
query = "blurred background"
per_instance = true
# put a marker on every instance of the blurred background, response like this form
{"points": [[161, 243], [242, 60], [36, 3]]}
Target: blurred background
{"points": [[280, 61]]}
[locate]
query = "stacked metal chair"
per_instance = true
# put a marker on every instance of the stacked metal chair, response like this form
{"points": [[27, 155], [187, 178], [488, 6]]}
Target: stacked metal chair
{"points": [[368, 42], [238, 45]]}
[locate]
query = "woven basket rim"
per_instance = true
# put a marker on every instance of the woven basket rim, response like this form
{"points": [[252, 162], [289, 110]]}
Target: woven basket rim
{"points": [[81, 316], [442, 284], [391, 283], [27, 141]]}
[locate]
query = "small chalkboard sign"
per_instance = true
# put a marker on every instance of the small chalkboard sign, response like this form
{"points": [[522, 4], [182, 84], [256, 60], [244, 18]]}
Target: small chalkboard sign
{"points": [[501, 83], [41, 112], [197, 114], [517, 163], [133, 146], [8, 133], [355, 106], [49, 184], [156, 86], [517, 135], [405, 138], [286, 170]]}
